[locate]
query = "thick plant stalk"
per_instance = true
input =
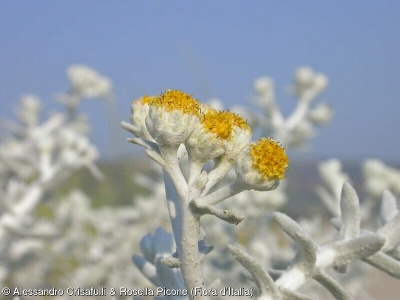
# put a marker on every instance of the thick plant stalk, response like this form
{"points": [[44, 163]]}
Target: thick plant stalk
{"points": [[186, 230], [185, 225]]}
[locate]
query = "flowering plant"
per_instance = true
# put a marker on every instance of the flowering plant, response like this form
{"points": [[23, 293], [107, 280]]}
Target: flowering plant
{"points": [[210, 168], [174, 124]]}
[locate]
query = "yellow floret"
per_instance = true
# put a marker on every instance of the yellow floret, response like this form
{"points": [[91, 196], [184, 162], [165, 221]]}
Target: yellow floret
{"points": [[177, 100], [269, 159], [219, 123], [222, 123]]}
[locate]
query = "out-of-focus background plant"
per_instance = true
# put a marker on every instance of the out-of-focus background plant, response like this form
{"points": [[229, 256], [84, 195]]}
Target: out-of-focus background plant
{"points": [[76, 199]]}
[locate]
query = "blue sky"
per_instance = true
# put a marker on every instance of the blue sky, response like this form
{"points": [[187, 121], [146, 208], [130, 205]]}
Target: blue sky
{"points": [[213, 49]]}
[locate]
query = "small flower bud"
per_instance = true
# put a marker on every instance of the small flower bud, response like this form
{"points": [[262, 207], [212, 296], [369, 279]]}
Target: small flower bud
{"points": [[320, 82], [304, 76], [321, 114], [308, 82], [263, 85]]}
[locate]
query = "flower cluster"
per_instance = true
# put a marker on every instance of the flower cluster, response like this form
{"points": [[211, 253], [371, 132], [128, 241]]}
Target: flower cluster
{"points": [[176, 118], [174, 124]]}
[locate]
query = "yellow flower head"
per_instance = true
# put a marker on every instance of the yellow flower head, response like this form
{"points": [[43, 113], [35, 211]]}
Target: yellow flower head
{"points": [[222, 123], [269, 159], [177, 100], [218, 123]]}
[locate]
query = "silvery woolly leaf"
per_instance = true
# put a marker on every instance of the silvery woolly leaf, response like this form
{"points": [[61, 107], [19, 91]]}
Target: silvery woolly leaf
{"points": [[350, 212], [391, 231], [385, 263], [264, 282], [146, 268], [147, 247], [333, 286], [389, 207], [169, 278], [307, 248], [344, 252], [163, 242], [204, 248]]}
